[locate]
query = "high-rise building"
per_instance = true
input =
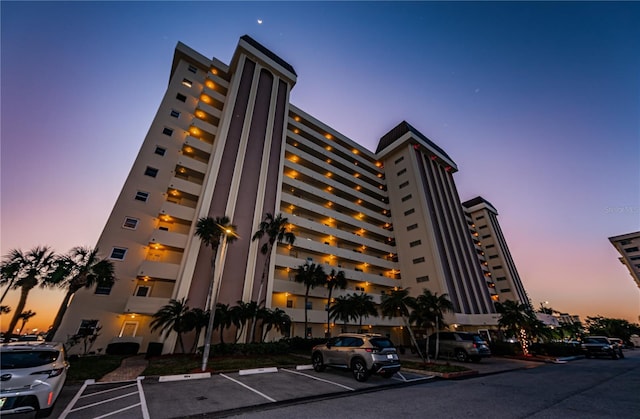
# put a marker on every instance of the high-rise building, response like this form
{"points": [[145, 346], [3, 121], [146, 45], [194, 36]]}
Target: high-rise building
{"points": [[499, 267], [226, 141], [628, 245]]}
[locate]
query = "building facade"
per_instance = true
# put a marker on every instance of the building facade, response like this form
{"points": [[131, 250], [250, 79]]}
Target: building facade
{"points": [[227, 141], [628, 245]]}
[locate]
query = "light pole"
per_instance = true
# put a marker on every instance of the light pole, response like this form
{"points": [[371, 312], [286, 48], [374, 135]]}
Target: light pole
{"points": [[212, 298]]}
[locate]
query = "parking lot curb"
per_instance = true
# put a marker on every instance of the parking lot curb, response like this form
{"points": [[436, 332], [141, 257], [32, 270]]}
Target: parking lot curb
{"points": [[182, 377], [445, 375]]}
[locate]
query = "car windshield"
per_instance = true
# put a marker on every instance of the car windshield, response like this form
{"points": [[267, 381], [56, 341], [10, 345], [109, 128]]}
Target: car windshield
{"points": [[595, 340], [382, 343], [478, 339], [27, 359]]}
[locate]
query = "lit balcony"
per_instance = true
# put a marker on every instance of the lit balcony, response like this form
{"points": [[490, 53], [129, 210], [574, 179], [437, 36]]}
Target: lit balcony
{"points": [[185, 186], [159, 270], [178, 211], [198, 144], [145, 305], [168, 238], [192, 164]]}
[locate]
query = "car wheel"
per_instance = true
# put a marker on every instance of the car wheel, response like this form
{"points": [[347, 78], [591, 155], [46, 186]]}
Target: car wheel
{"points": [[461, 355], [620, 354], [318, 363], [614, 356], [359, 369]]}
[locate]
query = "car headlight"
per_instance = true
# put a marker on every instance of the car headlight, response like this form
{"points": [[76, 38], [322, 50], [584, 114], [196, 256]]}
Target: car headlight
{"points": [[50, 373]]}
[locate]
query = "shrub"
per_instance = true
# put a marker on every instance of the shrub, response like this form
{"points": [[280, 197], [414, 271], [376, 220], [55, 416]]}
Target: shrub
{"points": [[123, 348], [555, 349], [299, 344], [505, 348]]}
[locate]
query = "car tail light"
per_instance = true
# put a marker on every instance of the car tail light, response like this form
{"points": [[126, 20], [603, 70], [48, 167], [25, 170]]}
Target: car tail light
{"points": [[475, 345], [372, 350]]}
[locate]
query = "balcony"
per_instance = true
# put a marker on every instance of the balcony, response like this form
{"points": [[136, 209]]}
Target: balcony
{"points": [[198, 144], [192, 164], [159, 270], [178, 211], [168, 238], [145, 305]]}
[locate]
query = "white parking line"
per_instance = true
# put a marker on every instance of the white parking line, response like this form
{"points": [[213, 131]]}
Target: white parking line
{"points": [[106, 391], [319, 379], [143, 400], [117, 411], [248, 388], [104, 401], [403, 378], [73, 401]]}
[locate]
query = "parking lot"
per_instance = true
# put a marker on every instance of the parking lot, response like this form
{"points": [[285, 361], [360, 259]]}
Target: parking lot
{"points": [[169, 397]]}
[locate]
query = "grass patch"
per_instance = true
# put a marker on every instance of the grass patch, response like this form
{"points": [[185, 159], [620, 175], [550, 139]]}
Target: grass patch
{"points": [[87, 367], [431, 366], [185, 364]]}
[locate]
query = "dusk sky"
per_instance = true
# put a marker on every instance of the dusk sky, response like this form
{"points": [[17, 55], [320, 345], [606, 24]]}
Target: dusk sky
{"points": [[538, 103]]}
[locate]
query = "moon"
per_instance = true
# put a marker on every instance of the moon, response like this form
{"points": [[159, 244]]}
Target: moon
{"points": [[259, 21]]}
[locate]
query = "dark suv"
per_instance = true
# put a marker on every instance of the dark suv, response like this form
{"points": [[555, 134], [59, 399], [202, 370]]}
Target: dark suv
{"points": [[594, 346], [363, 354], [463, 346]]}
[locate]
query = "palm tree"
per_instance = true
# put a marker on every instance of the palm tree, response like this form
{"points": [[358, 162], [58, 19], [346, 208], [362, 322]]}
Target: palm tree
{"points": [[275, 228], [429, 309], [519, 319], [211, 232], [5, 309], [311, 275], [397, 302], [80, 268], [274, 319], [343, 310], [26, 271], [241, 314], [364, 307], [199, 319], [25, 316], [223, 320], [334, 280], [173, 317]]}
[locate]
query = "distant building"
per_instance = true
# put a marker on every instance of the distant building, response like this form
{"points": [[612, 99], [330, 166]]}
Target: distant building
{"points": [[628, 245], [227, 141], [499, 268]]}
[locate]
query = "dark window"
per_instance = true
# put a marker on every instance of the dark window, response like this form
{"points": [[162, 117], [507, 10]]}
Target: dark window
{"points": [[142, 196], [289, 303], [118, 253], [160, 151], [497, 267], [489, 246], [167, 131], [501, 278], [130, 223], [404, 184], [631, 249], [175, 113], [486, 236], [634, 257], [88, 327], [483, 226], [181, 97], [422, 278], [493, 256], [142, 291], [418, 260], [398, 160], [479, 217], [415, 243], [505, 290], [406, 198], [193, 69], [409, 211], [402, 172], [151, 171], [309, 305], [625, 242], [412, 227]]}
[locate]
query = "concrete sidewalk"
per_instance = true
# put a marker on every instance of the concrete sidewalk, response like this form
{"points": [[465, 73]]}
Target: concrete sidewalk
{"points": [[129, 369]]}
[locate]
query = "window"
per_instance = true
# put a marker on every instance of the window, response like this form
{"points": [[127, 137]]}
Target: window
{"points": [[404, 184], [398, 160], [181, 97], [128, 329], [163, 228], [501, 278], [143, 290], [418, 260], [497, 267], [130, 223], [167, 131], [631, 249], [634, 257], [489, 246], [160, 151], [505, 290], [402, 172], [483, 226], [415, 243], [409, 211], [412, 227], [87, 327], [359, 288], [193, 69], [479, 217], [104, 288], [309, 305], [175, 113], [289, 303], [493, 256], [118, 253], [151, 171], [406, 198], [141, 196], [187, 82], [625, 242], [422, 278]]}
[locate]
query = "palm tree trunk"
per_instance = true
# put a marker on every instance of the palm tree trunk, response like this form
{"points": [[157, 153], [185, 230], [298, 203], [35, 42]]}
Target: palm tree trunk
{"points": [[413, 338], [180, 342], [61, 311], [4, 294], [306, 304], [24, 292], [254, 321], [328, 334]]}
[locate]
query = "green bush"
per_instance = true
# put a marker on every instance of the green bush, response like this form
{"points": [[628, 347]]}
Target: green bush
{"points": [[299, 344], [554, 349], [268, 348], [505, 348]]}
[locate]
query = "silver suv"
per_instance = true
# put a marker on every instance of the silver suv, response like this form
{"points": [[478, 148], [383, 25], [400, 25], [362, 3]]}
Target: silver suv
{"points": [[31, 376], [463, 346], [363, 354]]}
